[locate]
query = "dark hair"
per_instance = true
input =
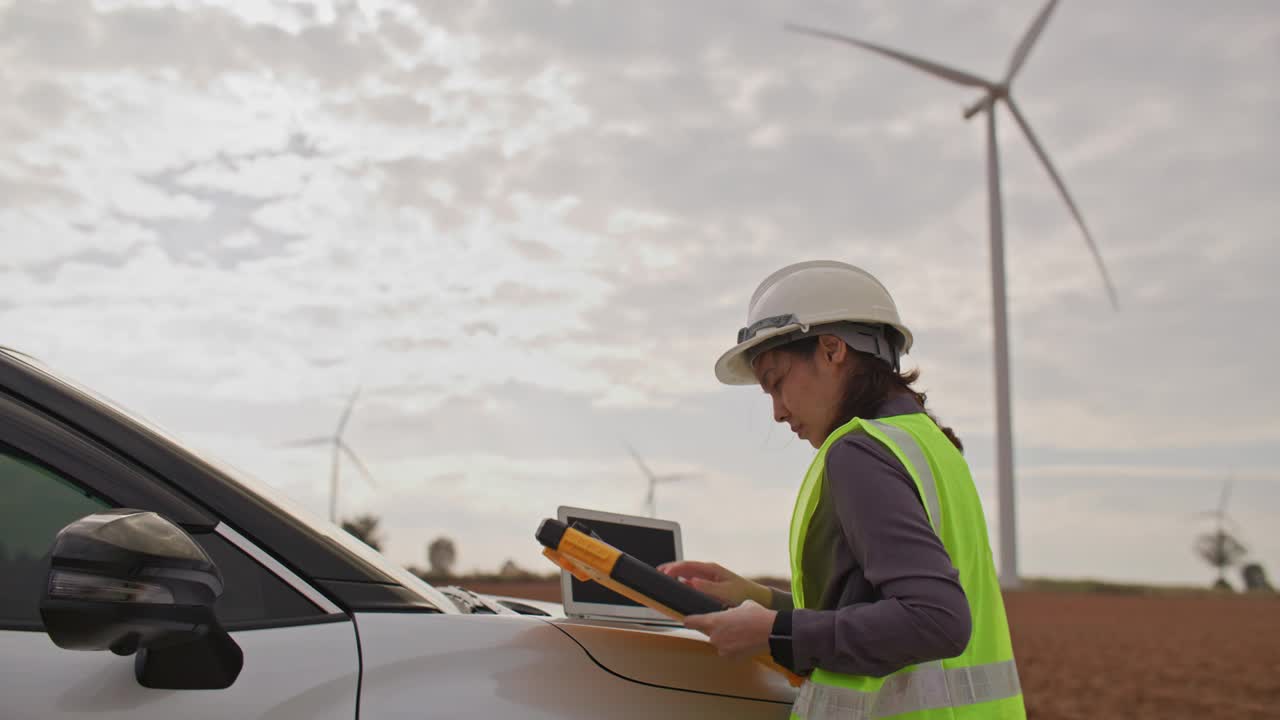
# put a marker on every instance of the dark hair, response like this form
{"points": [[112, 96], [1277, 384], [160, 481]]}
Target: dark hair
{"points": [[872, 381]]}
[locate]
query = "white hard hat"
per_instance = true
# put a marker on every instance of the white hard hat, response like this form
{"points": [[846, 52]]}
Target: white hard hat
{"points": [[795, 301]]}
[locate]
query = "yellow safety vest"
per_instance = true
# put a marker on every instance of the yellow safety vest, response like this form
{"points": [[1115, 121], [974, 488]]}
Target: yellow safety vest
{"points": [[982, 681]]}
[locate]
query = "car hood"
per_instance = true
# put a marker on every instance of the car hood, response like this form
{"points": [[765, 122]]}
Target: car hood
{"points": [[673, 657], [666, 656]]}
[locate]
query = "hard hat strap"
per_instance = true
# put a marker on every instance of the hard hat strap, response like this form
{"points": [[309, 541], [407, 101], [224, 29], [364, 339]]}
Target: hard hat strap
{"points": [[775, 321], [870, 339]]}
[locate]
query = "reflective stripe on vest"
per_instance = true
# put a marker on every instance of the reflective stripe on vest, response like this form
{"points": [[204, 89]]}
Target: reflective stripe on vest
{"points": [[915, 456], [929, 687]]}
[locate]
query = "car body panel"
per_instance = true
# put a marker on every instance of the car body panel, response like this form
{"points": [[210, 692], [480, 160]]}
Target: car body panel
{"points": [[308, 671], [505, 666], [675, 657]]}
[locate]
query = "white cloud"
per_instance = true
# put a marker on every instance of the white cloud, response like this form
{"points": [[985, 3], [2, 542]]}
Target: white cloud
{"points": [[241, 240]]}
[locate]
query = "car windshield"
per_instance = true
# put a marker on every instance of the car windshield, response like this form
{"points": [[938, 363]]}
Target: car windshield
{"points": [[265, 492]]}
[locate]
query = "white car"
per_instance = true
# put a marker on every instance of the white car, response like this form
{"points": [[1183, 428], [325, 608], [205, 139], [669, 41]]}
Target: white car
{"points": [[142, 581]]}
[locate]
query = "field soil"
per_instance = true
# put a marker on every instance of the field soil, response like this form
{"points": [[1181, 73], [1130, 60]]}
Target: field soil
{"points": [[1144, 657]]}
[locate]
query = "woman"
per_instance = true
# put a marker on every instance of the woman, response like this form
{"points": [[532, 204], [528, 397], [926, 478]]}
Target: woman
{"points": [[894, 610]]}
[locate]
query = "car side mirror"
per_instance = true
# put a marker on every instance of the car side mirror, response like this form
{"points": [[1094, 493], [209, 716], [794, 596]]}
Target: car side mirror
{"points": [[132, 582]]}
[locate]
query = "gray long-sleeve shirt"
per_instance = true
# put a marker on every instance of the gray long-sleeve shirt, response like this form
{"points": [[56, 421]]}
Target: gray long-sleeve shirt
{"points": [[889, 594]]}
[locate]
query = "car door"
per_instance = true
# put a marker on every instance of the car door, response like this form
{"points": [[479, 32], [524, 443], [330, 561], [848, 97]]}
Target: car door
{"points": [[301, 657]]}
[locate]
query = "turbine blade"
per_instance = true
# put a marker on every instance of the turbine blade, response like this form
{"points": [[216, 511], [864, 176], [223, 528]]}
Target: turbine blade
{"points": [[675, 477], [309, 442], [1066, 196], [1226, 495], [643, 468], [1029, 40], [351, 455], [346, 414], [959, 77]]}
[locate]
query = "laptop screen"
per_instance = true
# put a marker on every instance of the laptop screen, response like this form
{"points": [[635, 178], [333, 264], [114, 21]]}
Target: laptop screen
{"points": [[651, 545]]}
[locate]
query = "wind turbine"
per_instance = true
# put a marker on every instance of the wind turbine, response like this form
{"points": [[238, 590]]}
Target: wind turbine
{"points": [[992, 93], [1220, 548], [340, 447], [654, 481]]}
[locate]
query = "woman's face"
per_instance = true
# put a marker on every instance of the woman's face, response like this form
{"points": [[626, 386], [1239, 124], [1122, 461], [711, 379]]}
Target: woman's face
{"points": [[806, 389]]}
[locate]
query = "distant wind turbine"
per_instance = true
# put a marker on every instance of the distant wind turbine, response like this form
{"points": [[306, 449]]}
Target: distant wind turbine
{"points": [[340, 447], [994, 92], [655, 480], [1220, 548]]}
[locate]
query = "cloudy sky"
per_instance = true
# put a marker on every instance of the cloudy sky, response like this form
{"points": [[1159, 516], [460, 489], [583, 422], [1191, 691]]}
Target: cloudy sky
{"points": [[527, 229]]}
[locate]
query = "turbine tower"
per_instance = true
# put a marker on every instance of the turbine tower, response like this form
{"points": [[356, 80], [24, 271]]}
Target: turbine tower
{"points": [[655, 480], [340, 447], [993, 93]]}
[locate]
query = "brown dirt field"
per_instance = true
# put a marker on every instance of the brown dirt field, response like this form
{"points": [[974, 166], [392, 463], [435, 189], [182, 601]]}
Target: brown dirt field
{"points": [[1107, 656], [1193, 656]]}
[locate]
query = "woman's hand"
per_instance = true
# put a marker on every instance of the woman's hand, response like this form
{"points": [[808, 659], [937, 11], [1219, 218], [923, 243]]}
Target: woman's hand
{"points": [[744, 630], [712, 579]]}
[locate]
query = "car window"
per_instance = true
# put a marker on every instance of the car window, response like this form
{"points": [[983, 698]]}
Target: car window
{"points": [[36, 502], [252, 595]]}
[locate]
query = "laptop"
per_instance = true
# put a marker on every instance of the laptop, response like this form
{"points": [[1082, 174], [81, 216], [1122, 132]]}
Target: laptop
{"points": [[647, 539]]}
